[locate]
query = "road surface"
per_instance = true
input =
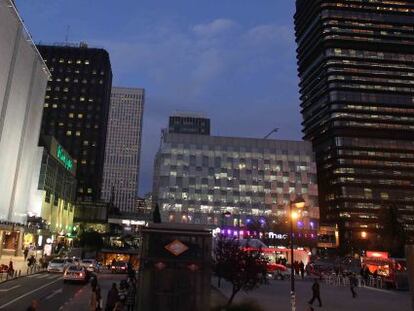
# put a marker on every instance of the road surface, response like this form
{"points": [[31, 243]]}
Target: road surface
{"points": [[50, 291]]}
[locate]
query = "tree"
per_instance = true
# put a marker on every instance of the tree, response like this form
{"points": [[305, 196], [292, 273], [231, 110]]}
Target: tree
{"points": [[156, 216], [91, 240], [245, 270]]}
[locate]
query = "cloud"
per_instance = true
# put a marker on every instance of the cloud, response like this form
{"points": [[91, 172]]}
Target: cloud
{"points": [[216, 27], [244, 78]]}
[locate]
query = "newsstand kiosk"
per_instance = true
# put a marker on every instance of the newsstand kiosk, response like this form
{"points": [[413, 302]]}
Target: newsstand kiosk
{"points": [[175, 269]]}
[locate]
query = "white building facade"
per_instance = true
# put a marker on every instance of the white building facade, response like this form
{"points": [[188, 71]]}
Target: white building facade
{"points": [[23, 79], [123, 147]]}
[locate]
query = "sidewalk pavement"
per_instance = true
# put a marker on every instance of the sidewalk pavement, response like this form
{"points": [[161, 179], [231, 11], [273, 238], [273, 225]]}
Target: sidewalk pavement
{"points": [[19, 265], [80, 301], [334, 298]]}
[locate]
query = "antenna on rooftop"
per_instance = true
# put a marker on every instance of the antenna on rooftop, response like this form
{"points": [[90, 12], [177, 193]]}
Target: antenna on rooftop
{"points": [[67, 34]]}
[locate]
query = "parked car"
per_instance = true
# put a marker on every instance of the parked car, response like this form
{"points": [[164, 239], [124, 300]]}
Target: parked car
{"points": [[76, 273], [57, 265], [90, 265], [119, 267]]}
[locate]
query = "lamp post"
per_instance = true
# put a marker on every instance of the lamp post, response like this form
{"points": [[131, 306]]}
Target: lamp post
{"points": [[298, 203]]}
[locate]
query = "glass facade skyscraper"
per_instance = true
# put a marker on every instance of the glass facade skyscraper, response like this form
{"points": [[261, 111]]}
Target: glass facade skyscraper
{"points": [[356, 69]]}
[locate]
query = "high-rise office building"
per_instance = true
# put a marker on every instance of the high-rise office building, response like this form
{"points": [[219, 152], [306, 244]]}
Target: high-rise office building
{"points": [[356, 69], [198, 178], [189, 123], [76, 109], [23, 79], [123, 147]]}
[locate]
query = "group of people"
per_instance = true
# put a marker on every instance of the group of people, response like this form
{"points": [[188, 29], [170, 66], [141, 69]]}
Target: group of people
{"points": [[119, 298], [299, 268], [366, 273]]}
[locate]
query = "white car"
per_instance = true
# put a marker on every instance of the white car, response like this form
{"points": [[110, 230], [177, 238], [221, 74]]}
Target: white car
{"points": [[57, 265], [76, 273], [90, 265]]}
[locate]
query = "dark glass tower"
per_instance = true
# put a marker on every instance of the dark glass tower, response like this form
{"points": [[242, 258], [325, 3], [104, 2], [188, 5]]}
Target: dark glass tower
{"points": [[356, 69], [76, 109]]}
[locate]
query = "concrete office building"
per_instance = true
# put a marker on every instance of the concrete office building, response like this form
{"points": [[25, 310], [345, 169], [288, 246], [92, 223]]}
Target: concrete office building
{"points": [[123, 148], [198, 178], [23, 79]]}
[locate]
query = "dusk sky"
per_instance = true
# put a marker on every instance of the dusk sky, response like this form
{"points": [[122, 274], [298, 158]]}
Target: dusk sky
{"points": [[233, 60]]}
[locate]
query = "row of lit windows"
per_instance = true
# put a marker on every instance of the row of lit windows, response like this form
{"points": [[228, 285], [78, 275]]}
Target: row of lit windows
{"points": [[369, 79], [369, 54], [402, 111], [371, 116], [364, 6], [364, 71], [377, 143], [77, 71], [372, 87], [355, 124], [376, 153]]}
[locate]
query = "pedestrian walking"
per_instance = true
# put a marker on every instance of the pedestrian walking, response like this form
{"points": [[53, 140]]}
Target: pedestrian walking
{"points": [[316, 294], [353, 282], [25, 253], [302, 269], [130, 300], [123, 291], [10, 269], [112, 298], [93, 301], [99, 301]]}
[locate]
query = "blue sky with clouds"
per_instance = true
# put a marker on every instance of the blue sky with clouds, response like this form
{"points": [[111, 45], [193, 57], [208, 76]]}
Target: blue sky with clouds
{"points": [[233, 60]]}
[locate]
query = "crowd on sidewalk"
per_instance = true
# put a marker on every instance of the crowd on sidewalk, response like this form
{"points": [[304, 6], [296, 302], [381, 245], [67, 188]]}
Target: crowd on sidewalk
{"points": [[119, 297]]}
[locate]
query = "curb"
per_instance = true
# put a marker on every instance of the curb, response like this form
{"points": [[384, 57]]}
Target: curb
{"points": [[21, 276]]}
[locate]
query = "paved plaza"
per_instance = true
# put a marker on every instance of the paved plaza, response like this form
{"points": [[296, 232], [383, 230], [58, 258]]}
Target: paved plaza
{"points": [[275, 296]]}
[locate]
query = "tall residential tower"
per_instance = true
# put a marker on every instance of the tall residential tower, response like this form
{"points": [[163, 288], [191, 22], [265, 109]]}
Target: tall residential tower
{"points": [[356, 69], [123, 147]]}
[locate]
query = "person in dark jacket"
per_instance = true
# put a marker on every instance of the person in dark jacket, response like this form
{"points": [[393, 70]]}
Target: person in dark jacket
{"points": [[316, 294], [112, 298], [130, 299], [353, 282], [302, 269]]}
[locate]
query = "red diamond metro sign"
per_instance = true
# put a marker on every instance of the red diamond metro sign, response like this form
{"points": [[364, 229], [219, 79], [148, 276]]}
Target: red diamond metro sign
{"points": [[176, 247]]}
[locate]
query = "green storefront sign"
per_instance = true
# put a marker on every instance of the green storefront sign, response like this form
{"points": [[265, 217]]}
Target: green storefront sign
{"points": [[64, 158]]}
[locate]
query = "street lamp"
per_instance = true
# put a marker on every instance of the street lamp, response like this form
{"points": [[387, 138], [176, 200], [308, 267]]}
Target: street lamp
{"points": [[298, 203]]}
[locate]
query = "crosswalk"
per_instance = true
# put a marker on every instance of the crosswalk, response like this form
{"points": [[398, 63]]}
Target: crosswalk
{"points": [[46, 276]]}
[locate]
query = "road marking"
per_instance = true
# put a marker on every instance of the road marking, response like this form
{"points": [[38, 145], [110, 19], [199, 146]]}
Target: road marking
{"points": [[13, 287], [50, 277], [27, 294], [56, 292]]}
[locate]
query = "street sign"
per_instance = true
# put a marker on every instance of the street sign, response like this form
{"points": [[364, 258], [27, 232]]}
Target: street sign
{"points": [[176, 247]]}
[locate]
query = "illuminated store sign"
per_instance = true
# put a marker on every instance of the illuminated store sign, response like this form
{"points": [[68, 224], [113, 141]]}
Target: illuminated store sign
{"points": [[64, 158]]}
